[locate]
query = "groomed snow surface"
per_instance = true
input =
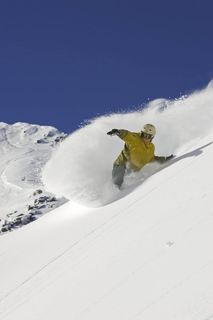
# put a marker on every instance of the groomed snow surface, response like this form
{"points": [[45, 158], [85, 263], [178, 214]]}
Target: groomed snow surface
{"points": [[145, 252]]}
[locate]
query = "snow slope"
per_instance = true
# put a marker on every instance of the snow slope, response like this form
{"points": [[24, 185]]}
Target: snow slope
{"points": [[145, 255]]}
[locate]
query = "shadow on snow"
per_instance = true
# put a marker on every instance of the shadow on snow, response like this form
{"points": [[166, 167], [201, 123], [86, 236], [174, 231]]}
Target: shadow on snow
{"points": [[133, 180]]}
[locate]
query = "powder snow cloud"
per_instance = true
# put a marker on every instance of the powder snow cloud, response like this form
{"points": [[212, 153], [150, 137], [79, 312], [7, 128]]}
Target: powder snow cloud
{"points": [[80, 169]]}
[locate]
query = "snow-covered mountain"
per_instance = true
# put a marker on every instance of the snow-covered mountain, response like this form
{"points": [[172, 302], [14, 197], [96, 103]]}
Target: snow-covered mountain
{"points": [[24, 150], [144, 252]]}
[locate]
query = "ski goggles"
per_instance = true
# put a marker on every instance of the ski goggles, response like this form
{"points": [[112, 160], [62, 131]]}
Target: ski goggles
{"points": [[146, 135]]}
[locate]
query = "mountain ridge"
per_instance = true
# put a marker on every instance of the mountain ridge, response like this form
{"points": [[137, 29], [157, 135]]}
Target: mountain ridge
{"points": [[25, 148]]}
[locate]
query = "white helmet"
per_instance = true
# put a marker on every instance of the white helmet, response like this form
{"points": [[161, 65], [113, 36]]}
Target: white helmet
{"points": [[149, 129]]}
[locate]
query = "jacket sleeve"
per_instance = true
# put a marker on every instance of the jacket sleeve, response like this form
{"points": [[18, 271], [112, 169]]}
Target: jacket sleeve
{"points": [[126, 136], [122, 133]]}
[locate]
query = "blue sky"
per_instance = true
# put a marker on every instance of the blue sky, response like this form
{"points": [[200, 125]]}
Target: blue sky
{"points": [[62, 62]]}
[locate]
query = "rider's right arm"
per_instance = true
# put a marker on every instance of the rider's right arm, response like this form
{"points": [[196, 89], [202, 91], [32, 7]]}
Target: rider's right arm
{"points": [[125, 135], [122, 133]]}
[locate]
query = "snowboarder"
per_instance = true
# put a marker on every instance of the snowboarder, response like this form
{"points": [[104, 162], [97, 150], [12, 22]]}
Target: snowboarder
{"points": [[137, 152]]}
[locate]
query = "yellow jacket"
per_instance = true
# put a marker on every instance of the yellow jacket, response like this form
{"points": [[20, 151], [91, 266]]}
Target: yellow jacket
{"points": [[135, 151]]}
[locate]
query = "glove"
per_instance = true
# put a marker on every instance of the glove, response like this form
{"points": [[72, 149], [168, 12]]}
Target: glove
{"points": [[113, 132], [169, 157], [163, 159]]}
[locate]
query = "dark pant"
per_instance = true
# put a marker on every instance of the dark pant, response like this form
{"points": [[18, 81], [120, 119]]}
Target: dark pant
{"points": [[118, 173]]}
